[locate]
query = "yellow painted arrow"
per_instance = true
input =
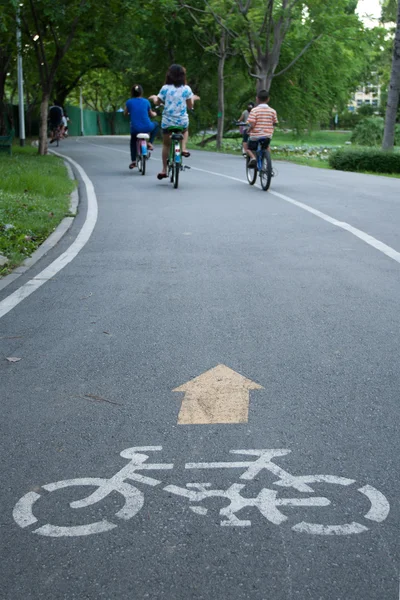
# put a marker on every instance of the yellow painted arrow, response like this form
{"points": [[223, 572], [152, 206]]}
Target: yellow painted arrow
{"points": [[219, 395]]}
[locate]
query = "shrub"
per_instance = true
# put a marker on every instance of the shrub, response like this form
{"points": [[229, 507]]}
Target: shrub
{"points": [[369, 132], [375, 161]]}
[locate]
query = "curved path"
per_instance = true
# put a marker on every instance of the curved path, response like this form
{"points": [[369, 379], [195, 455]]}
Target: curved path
{"points": [[171, 284]]}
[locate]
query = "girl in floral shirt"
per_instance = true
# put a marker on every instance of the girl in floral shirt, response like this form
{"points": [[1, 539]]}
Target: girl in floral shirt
{"points": [[177, 97]]}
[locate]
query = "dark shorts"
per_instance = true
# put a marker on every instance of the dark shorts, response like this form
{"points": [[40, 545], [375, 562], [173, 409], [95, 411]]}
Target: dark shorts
{"points": [[54, 123], [245, 137], [168, 131], [253, 144]]}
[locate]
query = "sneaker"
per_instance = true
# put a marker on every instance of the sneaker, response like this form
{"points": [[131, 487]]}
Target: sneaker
{"points": [[252, 163]]}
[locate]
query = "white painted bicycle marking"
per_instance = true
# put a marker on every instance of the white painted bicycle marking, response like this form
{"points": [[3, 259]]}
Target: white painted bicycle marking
{"points": [[267, 501]]}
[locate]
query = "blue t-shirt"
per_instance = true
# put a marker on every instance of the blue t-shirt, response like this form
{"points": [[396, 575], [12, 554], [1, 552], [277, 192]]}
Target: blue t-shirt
{"points": [[138, 109]]}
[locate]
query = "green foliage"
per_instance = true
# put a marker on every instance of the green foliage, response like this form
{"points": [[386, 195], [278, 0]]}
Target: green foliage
{"points": [[34, 197], [369, 132], [348, 120], [375, 161], [366, 110]]}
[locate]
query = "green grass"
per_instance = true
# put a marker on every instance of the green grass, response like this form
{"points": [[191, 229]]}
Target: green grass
{"points": [[34, 197], [302, 160], [315, 138]]}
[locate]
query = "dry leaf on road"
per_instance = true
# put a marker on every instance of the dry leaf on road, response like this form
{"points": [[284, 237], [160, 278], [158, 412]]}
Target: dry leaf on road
{"points": [[13, 359]]}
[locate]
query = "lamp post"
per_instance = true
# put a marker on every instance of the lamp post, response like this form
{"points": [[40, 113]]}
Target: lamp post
{"points": [[20, 83], [81, 106]]}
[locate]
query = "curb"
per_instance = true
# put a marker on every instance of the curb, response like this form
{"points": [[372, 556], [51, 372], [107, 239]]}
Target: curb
{"points": [[51, 241]]}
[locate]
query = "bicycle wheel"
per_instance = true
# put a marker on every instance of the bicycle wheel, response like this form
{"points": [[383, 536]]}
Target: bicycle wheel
{"points": [[266, 171], [251, 173], [24, 516], [171, 172], [144, 160], [139, 163], [177, 171]]}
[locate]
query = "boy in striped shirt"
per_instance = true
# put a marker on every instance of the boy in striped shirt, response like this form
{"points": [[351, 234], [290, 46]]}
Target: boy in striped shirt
{"points": [[262, 121]]}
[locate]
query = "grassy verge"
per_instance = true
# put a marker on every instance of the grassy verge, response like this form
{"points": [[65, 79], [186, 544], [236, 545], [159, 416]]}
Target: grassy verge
{"points": [[316, 138], [34, 198]]}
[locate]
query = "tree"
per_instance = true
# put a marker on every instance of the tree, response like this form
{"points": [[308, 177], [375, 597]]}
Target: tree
{"points": [[51, 31], [7, 53], [214, 39], [394, 91], [54, 28], [103, 91]]}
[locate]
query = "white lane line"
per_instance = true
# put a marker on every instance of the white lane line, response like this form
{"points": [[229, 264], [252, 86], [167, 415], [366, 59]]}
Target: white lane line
{"points": [[83, 236], [365, 237]]}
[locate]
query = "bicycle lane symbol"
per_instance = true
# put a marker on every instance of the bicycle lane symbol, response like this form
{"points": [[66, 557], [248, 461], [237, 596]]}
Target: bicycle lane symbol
{"points": [[268, 502]]}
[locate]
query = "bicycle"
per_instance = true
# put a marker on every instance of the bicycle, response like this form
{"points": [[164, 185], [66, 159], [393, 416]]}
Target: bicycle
{"points": [[267, 501], [263, 162], [56, 135], [142, 152], [174, 162]]}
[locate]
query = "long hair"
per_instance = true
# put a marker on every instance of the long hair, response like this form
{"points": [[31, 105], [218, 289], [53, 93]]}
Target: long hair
{"points": [[176, 75], [136, 91]]}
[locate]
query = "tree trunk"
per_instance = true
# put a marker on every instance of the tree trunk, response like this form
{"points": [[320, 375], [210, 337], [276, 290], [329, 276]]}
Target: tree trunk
{"points": [[394, 91], [264, 78], [44, 110], [99, 127], [221, 89]]}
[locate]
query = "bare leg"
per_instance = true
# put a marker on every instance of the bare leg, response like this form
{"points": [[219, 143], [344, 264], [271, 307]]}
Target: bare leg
{"points": [[185, 140], [165, 151], [250, 153]]}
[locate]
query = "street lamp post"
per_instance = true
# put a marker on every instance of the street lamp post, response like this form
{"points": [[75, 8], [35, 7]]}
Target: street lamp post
{"points": [[81, 107], [20, 83]]}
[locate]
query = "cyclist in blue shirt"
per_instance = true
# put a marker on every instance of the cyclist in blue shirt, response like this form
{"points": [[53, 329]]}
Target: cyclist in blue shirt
{"points": [[139, 110]]}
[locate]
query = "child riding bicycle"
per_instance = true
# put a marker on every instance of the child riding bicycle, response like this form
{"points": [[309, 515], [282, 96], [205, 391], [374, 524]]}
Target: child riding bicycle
{"points": [[139, 110], [177, 98], [243, 128], [262, 121]]}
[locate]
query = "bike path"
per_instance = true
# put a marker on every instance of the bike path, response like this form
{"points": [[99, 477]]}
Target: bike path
{"points": [[171, 284]]}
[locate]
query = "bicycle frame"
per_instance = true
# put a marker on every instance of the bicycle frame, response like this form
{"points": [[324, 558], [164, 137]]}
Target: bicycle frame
{"points": [[174, 162], [254, 462], [142, 151]]}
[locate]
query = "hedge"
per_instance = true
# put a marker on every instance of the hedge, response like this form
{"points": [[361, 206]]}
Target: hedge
{"points": [[373, 160]]}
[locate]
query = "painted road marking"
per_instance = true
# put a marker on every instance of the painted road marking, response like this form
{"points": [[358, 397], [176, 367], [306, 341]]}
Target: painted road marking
{"points": [[267, 501], [59, 263], [220, 395]]}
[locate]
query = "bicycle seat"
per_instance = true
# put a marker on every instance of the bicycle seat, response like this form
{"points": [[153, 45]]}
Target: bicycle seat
{"points": [[176, 132], [143, 136]]}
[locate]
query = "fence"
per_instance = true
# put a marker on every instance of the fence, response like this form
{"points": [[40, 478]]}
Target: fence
{"points": [[94, 123]]}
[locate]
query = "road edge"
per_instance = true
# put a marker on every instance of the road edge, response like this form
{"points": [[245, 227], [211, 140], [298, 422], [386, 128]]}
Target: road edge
{"points": [[53, 238]]}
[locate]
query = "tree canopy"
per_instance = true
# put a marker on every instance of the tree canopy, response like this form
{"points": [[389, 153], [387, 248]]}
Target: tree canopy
{"points": [[311, 54]]}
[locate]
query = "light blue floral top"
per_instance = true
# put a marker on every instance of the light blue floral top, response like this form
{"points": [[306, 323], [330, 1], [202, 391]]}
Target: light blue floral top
{"points": [[174, 100]]}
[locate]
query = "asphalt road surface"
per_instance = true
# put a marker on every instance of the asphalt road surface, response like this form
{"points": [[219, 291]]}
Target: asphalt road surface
{"points": [[171, 284]]}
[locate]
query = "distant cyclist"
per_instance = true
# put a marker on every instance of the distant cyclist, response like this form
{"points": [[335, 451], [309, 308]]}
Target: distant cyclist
{"points": [[262, 121], [139, 111], [56, 114], [243, 130]]}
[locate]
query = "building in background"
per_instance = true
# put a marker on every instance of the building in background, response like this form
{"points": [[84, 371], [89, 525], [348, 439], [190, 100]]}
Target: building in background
{"points": [[369, 94]]}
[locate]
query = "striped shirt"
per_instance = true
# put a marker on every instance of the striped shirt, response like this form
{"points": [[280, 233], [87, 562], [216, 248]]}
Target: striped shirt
{"points": [[264, 118]]}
